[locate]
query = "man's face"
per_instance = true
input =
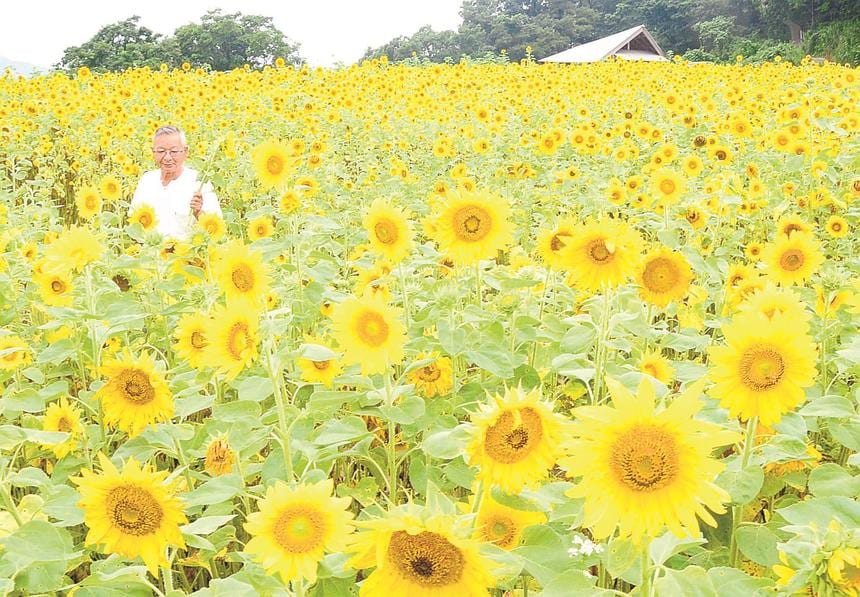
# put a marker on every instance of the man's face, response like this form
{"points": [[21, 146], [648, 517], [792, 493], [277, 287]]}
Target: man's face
{"points": [[169, 153]]}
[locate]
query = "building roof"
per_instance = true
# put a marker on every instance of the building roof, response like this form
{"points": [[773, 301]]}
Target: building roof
{"points": [[633, 44]]}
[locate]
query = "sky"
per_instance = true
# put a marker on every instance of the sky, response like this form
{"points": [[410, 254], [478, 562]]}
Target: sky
{"points": [[328, 31]]}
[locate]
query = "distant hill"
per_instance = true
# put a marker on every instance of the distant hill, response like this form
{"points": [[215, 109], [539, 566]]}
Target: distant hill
{"points": [[24, 68]]}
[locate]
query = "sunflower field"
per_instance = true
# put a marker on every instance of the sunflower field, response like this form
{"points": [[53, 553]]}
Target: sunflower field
{"points": [[462, 330]]}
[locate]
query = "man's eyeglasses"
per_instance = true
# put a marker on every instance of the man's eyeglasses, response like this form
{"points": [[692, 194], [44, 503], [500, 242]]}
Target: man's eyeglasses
{"points": [[160, 153]]}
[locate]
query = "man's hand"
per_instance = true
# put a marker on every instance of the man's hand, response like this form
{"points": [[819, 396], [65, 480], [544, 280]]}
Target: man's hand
{"points": [[196, 203]]}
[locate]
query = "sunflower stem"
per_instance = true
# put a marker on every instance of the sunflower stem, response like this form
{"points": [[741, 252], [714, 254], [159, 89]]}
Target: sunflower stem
{"points": [[645, 587], [283, 428], [405, 294], [391, 444], [183, 460], [543, 302], [299, 588], [525, 579], [478, 283], [601, 350], [167, 575], [737, 511], [9, 503]]}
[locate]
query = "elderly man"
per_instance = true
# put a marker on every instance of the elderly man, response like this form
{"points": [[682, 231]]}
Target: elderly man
{"points": [[174, 191]]}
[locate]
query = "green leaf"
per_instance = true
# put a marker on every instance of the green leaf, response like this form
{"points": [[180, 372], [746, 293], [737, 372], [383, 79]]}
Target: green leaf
{"points": [[758, 543], [665, 546], [192, 404], [41, 552], [847, 434], [206, 524], [61, 503], [12, 435], [821, 510], [255, 388], [831, 479], [835, 407], [743, 486], [340, 431], [316, 352], [214, 491], [570, 584], [692, 580], [731, 582], [620, 555], [447, 444]]}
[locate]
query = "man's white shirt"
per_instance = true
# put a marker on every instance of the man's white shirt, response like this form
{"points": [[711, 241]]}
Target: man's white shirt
{"points": [[172, 203]]}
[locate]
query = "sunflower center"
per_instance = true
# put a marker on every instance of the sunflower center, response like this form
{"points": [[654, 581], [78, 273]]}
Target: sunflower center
{"points": [[134, 510], [386, 232], [136, 387], [555, 243], [275, 165], [321, 365], [667, 186], [761, 367], [198, 339], [64, 425], [660, 275], [90, 202], [472, 223], [372, 328], [145, 220], [426, 559], [300, 528], [836, 227], [791, 260], [644, 458], [508, 442], [599, 252], [242, 277], [238, 340], [430, 373], [650, 369], [58, 286]]}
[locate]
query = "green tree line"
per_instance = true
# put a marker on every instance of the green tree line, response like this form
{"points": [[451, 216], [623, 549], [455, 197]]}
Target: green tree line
{"points": [[218, 42], [715, 30]]}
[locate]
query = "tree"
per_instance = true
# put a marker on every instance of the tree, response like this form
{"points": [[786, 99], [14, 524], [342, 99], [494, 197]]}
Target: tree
{"points": [[225, 42], [122, 45]]}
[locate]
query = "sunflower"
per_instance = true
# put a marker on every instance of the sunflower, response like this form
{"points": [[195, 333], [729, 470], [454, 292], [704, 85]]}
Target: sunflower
{"points": [[294, 527], [144, 215], [667, 185], [191, 340], [110, 187], [426, 556], [792, 223], [370, 332], [843, 568], [213, 224], [473, 226], [657, 366], [62, 416], [261, 227], [837, 226], [763, 368], [55, 288], [220, 457], [601, 253], [232, 339], [272, 163], [515, 440], [319, 370], [135, 395], [88, 202], [389, 231], [131, 513], [792, 260], [14, 352], [502, 525], [241, 273], [641, 470], [289, 202], [433, 379], [73, 249], [550, 242], [664, 276]]}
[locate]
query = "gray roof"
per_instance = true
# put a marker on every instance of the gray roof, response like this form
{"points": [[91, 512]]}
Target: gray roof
{"points": [[633, 44]]}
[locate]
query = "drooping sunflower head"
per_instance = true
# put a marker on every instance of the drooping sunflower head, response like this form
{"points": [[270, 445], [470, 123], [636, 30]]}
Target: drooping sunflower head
{"points": [[503, 525], [370, 333], [132, 513], [641, 470], [551, 241], [319, 364], [473, 226], [295, 527], [419, 554], [515, 440], [787, 225], [389, 231], [763, 368], [653, 363], [792, 259], [602, 253], [14, 352], [774, 301], [136, 394], [241, 273], [220, 457], [145, 216], [664, 276], [272, 163]]}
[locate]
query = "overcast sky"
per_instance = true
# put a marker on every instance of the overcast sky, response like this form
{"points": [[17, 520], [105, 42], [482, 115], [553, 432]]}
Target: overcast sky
{"points": [[329, 31]]}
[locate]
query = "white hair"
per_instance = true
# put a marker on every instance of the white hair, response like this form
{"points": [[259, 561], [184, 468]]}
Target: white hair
{"points": [[169, 129]]}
